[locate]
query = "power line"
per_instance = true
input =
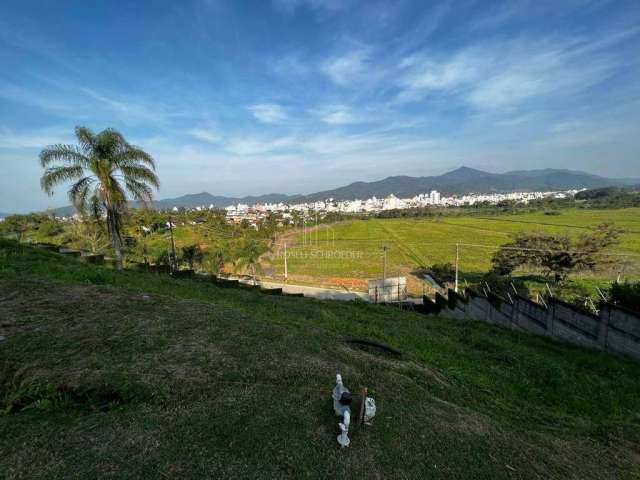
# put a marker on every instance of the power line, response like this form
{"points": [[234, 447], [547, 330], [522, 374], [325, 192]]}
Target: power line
{"points": [[548, 250]]}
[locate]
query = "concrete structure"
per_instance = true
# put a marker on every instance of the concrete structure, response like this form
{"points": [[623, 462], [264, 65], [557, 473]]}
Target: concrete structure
{"points": [[614, 329], [391, 289]]}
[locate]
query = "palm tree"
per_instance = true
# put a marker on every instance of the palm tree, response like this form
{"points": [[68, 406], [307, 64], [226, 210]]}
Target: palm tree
{"points": [[104, 169]]}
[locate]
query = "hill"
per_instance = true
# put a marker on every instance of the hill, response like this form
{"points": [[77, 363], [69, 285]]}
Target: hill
{"points": [[467, 180], [460, 181], [206, 199], [4, 215], [126, 375]]}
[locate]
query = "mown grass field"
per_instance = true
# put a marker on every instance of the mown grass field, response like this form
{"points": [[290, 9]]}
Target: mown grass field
{"points": [[107, 374], [353, 250]]}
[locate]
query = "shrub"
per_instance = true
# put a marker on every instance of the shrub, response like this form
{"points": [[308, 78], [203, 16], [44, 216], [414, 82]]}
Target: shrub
{"points": [[626, 294], [443, 272]]}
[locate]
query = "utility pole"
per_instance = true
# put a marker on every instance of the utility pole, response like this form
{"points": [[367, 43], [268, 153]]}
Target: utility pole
{"points": [[173, 247], [286, 273], [384, 270], [457, 264]]}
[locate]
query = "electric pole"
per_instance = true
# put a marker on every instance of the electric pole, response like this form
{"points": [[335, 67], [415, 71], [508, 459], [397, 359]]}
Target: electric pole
{"points": [[173, 247], [384, 270], [286, 273], [457, 264]]}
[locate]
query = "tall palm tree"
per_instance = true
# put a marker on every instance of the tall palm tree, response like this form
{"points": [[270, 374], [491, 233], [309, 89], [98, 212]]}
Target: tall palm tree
{"points": [[105, 168]]}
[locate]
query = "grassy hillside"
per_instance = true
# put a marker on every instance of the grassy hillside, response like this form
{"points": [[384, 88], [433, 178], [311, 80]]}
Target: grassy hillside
{"points": [[426, 241], [125, 375]]}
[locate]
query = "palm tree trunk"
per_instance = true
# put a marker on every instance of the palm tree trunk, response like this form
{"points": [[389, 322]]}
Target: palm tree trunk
{"points": [[114, 233]]}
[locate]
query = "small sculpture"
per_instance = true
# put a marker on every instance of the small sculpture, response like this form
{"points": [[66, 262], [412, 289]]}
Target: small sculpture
{"points": [[341, 405]]}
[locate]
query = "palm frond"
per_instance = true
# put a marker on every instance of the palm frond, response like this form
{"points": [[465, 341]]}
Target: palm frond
{"points": [[140, 173], [79, 192], [132, 155], [139, 190], [69, 154], [55, 175], [86, 139], [110, 142]]}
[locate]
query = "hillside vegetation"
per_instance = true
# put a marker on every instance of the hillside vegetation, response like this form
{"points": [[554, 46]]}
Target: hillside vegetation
{"points": [[107, 374]]}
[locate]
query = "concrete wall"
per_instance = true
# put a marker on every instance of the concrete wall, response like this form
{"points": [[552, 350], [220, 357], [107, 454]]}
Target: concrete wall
{"points": [[615, 329]]}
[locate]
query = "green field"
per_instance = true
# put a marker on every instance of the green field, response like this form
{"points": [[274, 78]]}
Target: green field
{"points": [[353, 250], [107, 374]]}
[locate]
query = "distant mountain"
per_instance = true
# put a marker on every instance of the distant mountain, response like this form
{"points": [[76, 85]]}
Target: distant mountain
{"points": [[4, 215], [469, 180], [206, 199], [457, 182], [203, 199]]}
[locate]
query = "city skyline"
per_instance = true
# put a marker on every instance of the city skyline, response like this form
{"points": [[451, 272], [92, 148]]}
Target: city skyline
{"points": [[296, 96]]}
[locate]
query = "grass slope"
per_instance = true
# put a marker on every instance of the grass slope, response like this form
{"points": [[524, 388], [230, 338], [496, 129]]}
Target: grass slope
{"points": [[125, 375]]}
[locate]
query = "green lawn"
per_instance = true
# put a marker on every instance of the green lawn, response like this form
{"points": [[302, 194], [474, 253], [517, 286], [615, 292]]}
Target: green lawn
{"points": [[354, 249], [125, 375]]}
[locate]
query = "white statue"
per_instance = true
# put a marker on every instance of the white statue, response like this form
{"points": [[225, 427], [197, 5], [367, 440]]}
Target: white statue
{"points": [[341, 405]]}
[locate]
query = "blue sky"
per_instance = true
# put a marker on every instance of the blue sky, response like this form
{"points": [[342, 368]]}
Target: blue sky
{"points": [[294, 96]]}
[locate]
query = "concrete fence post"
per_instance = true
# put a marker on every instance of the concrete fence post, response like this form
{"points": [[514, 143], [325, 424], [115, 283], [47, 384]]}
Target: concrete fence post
{"points": [[603, 326], [551, 312]]}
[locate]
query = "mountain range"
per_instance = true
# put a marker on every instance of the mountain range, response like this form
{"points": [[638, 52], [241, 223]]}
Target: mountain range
{"points": [[456, 182], [460, 181]]}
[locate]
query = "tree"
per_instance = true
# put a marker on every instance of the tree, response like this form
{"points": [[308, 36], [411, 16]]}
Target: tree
{"points": [[626, 294], [88, 235], [192, 254], [215, 260], [248, 255], [105, 168], [16, 225], [555, 254]]}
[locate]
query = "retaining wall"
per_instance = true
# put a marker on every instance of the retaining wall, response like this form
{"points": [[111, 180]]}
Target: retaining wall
{"points": [[615, 329]]}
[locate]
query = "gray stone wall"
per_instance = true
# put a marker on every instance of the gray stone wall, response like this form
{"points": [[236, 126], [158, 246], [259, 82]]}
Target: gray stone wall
{"points": [[615, 329]]}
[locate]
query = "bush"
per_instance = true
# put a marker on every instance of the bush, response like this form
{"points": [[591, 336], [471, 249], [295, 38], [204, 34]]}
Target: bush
{"points": [[443, 272], [626, 295]]}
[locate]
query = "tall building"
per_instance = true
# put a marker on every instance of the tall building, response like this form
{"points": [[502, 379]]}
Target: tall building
{"points": [[434, 196]]}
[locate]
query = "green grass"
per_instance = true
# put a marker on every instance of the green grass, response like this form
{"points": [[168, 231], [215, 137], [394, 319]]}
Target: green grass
{"points": [[126, 375], [425, 241]]}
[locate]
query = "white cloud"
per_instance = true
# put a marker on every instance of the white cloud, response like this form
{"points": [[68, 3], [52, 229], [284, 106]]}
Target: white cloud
{"points": [[268, 113], [503, 75], [346, 70], [250, 145], [209, 135], [40, 138], [337, 115], [290, 6], [424, 73], [31, 98]]}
